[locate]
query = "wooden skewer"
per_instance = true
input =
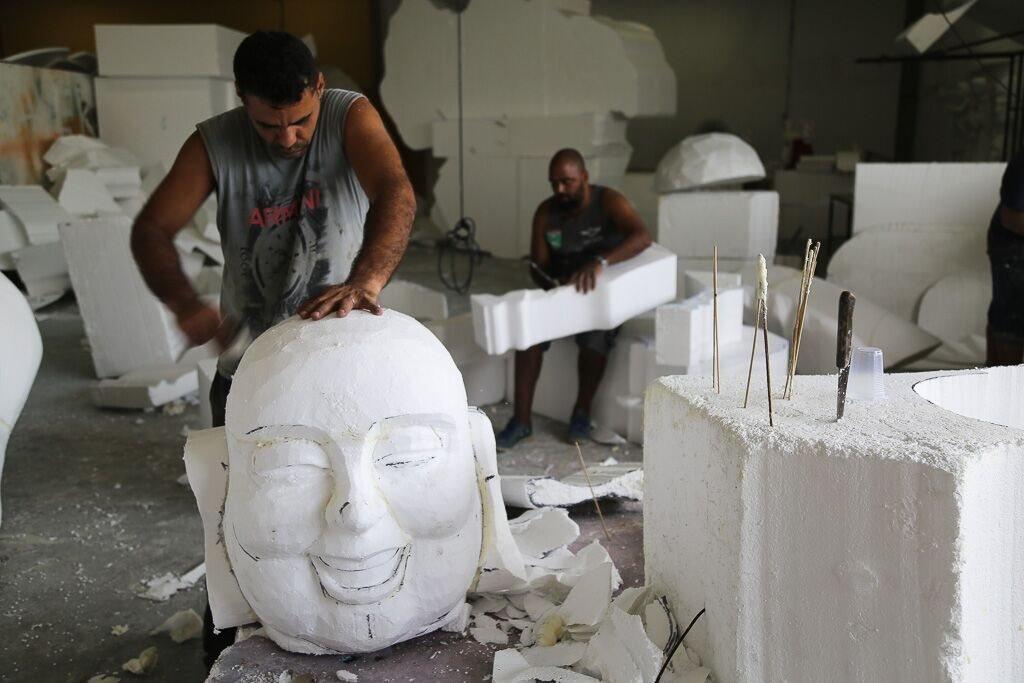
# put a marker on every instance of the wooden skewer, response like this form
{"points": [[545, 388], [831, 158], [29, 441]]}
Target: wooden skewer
{"points": [[583, 464], [796, 320], [753, 346], [802, 313], [716, 376], [767, 363]]}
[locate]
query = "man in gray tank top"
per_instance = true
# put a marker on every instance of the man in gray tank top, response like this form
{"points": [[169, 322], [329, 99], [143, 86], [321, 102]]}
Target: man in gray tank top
{"points": [[314, 210], [577, 232]]}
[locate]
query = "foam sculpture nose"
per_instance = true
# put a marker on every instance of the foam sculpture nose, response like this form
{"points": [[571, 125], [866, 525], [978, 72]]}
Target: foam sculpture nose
{"points": [[356, 505]]}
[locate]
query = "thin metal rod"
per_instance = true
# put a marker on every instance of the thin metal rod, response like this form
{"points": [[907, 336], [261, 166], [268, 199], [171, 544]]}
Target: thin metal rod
{"points": [[462, 184], [583, 464], [753, 346], [716, 377], [767, 363]]}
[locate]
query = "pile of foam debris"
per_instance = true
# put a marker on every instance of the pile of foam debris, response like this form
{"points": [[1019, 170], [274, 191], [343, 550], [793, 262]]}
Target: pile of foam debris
{"points": [[563, 622]]}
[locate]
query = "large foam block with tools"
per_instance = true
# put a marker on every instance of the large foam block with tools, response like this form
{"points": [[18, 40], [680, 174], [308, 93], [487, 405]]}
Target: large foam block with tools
{"points": [[884, 546], [895, 265], [166, 49], [926, 194], [128, 328], [626, 67], [684, 331], [525, 317], [901, 341], [742, 224], [152, 117]]}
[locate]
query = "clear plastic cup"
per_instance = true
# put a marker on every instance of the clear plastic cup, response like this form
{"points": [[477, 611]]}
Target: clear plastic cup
{"points": [[867, 375]]}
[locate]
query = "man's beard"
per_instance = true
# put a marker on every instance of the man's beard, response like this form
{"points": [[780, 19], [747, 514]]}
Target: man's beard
{"points": [[291, 152], [569, 201]]}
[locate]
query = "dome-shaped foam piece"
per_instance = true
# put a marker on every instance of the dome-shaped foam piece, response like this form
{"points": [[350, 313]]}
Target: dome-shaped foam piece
{"points": [[701, 161]]}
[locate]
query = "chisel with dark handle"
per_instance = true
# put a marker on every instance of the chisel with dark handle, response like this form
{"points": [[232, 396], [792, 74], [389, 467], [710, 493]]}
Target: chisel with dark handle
{"points": [[844, 347]]}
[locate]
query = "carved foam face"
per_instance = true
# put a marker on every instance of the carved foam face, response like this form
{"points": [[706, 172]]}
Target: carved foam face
{"points": [[353, 517]]}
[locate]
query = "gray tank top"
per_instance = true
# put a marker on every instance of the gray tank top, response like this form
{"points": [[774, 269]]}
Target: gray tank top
{"points": [[288, 227]]}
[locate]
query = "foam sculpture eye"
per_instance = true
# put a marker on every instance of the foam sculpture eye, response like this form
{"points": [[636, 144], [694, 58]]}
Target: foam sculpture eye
{"points": [[404, 446], [291, 458]]}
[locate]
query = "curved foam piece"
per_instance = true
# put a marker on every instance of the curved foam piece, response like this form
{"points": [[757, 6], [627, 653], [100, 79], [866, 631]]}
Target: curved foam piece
{"points": [[626, 67], [21, 349], [885, 546], [894, 265], [525, 317], [899, 340], [702, 161], [955, 309]]}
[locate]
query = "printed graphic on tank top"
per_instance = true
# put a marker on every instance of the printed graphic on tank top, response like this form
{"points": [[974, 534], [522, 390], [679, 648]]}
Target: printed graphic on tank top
{"points": [[577, 238], [289, 227]]}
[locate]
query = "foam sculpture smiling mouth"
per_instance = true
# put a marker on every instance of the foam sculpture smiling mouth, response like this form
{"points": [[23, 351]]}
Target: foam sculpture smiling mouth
{"points": [[362, 499]]}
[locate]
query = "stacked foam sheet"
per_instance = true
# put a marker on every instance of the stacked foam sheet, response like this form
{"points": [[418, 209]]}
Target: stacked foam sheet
{"points": [[742, 224], [519, 112], [29, 220], [881, 547], [523, 318], [684, 331], [128, 328], [158, 81], [506, 169]]}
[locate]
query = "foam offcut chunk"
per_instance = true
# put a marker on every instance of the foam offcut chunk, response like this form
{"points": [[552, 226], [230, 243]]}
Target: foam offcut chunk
{"points": [[742, 224], [884, 546], [708, 160], [684, 331], [525, 317]]}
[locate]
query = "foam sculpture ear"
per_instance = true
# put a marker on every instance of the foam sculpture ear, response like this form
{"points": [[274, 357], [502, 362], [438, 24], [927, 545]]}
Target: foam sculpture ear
{"points": [[501, 564], [206, 464]]}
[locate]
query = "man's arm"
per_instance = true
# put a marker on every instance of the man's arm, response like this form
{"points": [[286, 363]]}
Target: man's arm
{"points": [[635, 239], [168, 209], [388, 223], [1012, 220], [540, 252]]}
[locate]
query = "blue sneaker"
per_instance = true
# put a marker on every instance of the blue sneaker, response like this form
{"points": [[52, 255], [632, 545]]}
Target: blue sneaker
{"points": [[579, 427], [513, 433]]}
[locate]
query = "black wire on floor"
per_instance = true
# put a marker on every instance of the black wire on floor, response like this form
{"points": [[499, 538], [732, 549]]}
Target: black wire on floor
{"points": [[675, 646]]}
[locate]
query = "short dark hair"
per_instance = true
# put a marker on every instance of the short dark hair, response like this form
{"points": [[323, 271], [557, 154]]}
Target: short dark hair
{"points": [[570, 155], [274, 66]]}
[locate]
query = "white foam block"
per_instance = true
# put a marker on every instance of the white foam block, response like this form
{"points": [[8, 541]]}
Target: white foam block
{"points": [[539, 136], [885, 544], [153, 117], [523, 318], [166, 49], [418, 301], [128, 328], [82, 193], [12, 238], [146, 387], [900, 340], [684, 331], [627, 71], [895, 265], [36, 212], [926, 194], [925, 31], [742, 224], [696, 281], [708, 160], [483, 375], [44, 271], [955, 309]]}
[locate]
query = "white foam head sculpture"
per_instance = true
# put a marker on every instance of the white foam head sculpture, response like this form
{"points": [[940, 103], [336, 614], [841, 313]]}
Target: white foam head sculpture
{"points": [[355, 509], [709, 160], [21, 349]]}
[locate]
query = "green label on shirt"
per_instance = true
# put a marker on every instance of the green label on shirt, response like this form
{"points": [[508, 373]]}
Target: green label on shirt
{"points": [[554, 238]]}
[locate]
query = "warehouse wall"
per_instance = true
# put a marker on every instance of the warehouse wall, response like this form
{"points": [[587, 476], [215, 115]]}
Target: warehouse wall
{"points": [[738, 69], [344, 30]]}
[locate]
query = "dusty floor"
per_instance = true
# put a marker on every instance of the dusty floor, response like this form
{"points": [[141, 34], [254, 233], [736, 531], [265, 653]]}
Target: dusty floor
{"points": [[92, 507]]}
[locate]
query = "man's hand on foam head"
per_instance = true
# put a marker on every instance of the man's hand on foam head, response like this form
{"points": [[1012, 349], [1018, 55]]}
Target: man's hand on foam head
{"points": [[341, 299]]}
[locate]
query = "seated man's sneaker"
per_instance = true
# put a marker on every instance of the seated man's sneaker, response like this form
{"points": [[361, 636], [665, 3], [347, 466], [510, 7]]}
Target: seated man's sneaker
{"points": [[579, 427], [513, 433]]}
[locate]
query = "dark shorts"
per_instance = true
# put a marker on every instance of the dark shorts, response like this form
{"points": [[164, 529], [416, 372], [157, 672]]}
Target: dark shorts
{"points": [[601, 341], [1006, 312]]}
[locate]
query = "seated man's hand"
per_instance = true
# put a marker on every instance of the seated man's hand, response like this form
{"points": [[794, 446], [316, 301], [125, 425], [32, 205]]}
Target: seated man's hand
{"points": [[201, 323], [585, 279], [341, 299]]}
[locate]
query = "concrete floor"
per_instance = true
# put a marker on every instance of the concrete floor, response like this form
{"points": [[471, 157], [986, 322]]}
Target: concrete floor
{"points": [[92, 507]]}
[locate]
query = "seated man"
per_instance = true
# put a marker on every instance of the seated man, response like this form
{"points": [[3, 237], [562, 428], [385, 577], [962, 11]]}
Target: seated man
{"points": [[577, 233]]}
